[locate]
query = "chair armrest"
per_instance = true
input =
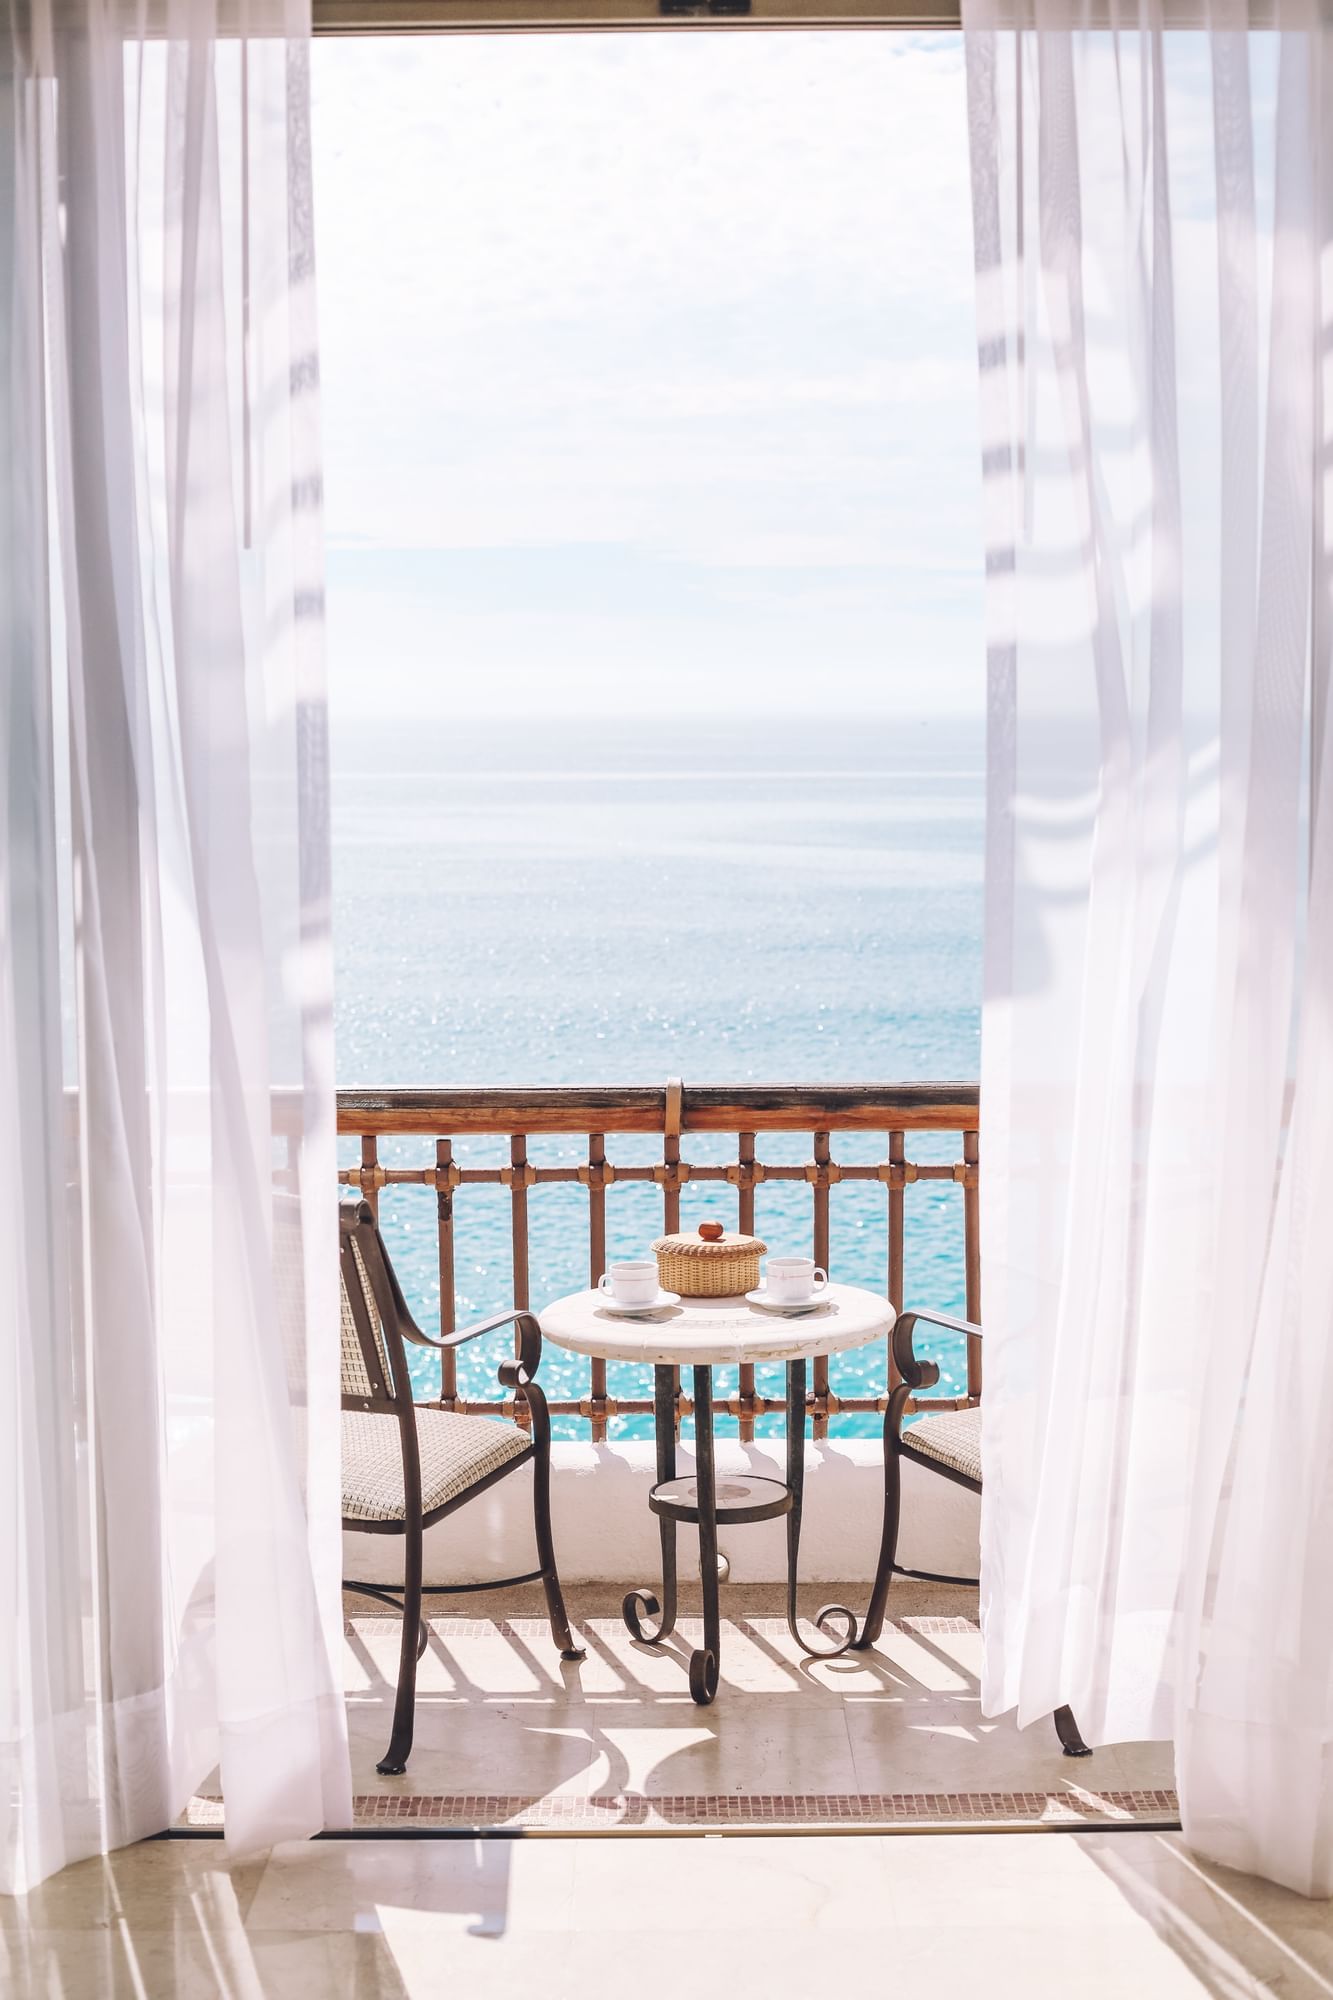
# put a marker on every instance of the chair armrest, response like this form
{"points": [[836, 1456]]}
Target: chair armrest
{"points": [[514, 1317], [917, 1372], [530, 1341]]}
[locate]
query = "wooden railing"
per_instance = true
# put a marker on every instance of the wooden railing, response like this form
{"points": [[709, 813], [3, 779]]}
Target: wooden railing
{"points": [[674, 1112]]}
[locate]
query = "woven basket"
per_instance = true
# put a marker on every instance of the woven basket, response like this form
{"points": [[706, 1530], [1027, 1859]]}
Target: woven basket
{"points": [[717, 1265]]}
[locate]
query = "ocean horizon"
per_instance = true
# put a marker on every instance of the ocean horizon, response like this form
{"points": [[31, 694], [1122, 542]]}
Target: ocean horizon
{"points": [[615, 903]]}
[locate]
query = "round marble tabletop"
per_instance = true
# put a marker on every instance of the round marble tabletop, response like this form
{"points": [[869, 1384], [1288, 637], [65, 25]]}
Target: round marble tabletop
{"points": [[703, 1333]]}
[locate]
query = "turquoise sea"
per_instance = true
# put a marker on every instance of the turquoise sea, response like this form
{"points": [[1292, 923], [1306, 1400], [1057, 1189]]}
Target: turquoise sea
{"points": [[551, 903]]}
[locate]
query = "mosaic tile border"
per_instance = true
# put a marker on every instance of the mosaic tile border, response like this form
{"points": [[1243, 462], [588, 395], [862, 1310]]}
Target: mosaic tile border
{"points": [[1075, 1807], [455, 1627]]}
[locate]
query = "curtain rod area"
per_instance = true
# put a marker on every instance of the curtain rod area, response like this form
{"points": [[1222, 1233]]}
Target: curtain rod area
{"points": [[397, 17]]}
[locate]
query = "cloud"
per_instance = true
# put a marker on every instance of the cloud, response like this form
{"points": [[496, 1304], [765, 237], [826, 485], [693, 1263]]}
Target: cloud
{"points": [[688, 315]]}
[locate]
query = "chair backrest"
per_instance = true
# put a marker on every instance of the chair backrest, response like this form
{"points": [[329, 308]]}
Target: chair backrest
{"points": [[367, 1374]]}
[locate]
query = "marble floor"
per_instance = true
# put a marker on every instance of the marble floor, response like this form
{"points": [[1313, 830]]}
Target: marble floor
{"points": [[633, 1858], [1096, 1915], [508, 1734]]}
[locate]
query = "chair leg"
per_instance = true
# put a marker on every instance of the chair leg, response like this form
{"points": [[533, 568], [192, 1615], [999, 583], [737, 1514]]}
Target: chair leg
{"points": [[1071, 1742], [541, 1517], [888, 1543], [413, 1645]]}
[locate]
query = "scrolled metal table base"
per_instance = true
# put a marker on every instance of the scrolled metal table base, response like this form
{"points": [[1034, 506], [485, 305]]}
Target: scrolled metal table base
{"points": [[825, 1612], [639, 1604], [748, 1498]]}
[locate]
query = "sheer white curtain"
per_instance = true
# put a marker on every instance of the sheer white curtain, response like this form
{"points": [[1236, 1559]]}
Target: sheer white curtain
{"points": [[169, 1516], [1155, 310]]}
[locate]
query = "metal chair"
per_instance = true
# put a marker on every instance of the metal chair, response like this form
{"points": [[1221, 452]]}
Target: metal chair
{"points": [[405, 1466], [949, 1444]]}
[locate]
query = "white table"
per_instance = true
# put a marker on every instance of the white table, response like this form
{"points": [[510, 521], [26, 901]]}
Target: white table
{"points": [[704, 1334]]}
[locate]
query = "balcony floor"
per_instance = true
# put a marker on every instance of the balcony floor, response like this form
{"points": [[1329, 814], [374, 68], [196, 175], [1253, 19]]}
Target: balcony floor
{"points": [[509, 1735], [1090, 1903]]}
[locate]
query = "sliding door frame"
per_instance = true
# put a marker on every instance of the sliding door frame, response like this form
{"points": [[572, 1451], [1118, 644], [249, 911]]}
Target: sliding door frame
{"points": [[398, 17]]}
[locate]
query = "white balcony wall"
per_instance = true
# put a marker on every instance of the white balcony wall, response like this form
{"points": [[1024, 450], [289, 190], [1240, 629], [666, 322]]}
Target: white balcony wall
{"points": [[606, 1534]]}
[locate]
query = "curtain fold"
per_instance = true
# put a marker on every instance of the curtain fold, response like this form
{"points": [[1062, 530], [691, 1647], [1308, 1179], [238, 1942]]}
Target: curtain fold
{"points": [[1152, 200], [169, 1559]]}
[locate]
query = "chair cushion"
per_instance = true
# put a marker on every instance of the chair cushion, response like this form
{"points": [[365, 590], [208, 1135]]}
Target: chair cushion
{"points": [[954, 1438], [456, 1452]]}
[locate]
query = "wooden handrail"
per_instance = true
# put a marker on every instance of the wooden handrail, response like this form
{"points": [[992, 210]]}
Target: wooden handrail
{"points": [[387, 17], [710, 1107]]}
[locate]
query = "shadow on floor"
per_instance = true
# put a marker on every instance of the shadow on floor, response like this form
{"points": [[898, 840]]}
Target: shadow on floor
{"points": [[508, 1733]]}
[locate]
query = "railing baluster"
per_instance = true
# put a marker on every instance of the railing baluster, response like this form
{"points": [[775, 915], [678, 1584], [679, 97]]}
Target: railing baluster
{"points": [[444, 1223], [519, 1171], [518, 1197], [671, 1126], [597, 1266], [745, 1223], [972, 1257], [673, 1109], [821, 1191], [372, 1176], [897, 1177]]}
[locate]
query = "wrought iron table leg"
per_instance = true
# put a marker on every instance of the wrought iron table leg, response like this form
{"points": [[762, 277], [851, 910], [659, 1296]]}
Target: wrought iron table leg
{"points": [[641, 1604], [888, 1541], [796, 1482], [704, 1663]]}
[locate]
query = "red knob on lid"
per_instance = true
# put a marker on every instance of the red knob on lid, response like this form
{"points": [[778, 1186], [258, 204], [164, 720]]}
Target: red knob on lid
{"points": [[711, 1232]]}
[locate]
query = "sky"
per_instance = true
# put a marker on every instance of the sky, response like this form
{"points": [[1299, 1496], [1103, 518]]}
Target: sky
{"points": [[649, 374]]}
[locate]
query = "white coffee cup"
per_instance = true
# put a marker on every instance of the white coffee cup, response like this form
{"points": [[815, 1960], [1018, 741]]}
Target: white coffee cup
{"points": [[631, 1284], [793, 1280]]}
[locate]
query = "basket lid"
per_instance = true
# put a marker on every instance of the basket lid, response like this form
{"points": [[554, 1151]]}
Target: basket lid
{"points": [[718, 1242]]}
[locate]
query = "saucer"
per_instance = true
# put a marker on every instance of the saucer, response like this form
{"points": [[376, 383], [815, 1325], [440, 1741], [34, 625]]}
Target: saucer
{"points": [[787, 1308], [609, 1303]]}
